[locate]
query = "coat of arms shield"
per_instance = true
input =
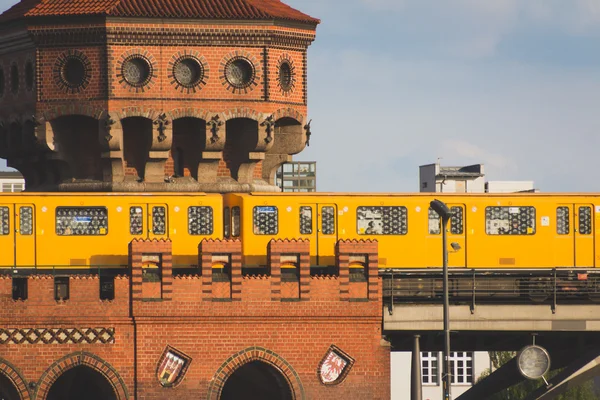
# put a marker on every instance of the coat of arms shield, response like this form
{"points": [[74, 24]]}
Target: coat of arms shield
{"points": [[334, 366], [172, 367]]}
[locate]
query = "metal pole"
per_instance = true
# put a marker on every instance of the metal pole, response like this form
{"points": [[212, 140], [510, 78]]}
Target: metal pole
{"points": [[415, 376], [447, 373]]}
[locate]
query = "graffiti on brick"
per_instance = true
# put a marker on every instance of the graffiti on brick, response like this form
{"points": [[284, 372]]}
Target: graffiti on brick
{"points": [[57, 335]]}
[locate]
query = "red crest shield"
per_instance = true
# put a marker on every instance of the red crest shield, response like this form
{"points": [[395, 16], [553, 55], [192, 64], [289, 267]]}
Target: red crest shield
{"points": [[334, 366]]}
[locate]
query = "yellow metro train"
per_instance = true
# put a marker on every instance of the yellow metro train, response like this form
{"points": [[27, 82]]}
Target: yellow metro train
{"points": [[91, 230]]}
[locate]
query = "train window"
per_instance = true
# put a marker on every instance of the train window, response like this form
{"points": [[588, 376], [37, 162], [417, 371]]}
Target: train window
{"points": [[510, 220], [159, 220], [434, 223], [226, 222], [26, 220], [456, 221], [235, 221], [265, 220], [563, 223], [306, 219], [382, 220], [585, 220], [81, 221], [200, 220], [327, 220], [4, 221], [136, 224]]}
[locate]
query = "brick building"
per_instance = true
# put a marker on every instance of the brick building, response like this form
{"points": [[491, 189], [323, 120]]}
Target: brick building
{"points": [[174, 95]]}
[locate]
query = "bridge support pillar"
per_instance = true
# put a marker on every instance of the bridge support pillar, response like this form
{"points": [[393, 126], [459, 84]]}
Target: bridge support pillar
{"points": [[416, 392]]}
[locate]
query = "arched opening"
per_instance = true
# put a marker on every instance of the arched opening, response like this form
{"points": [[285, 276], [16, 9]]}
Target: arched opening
{"points": [[241, 138], [189, 140], [76, 140], [8, 391], [257, 380], [289, 138], [137, 141], [81, 382]]}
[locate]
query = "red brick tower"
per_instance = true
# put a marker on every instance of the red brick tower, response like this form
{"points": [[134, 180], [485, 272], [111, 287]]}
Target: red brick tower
{"points": [[152, 95]]}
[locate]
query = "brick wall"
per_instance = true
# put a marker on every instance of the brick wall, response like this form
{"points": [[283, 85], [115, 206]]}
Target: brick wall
{"points": [[195, 316]]}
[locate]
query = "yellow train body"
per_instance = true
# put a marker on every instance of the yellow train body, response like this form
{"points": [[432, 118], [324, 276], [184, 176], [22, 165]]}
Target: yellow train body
{"points": [[76, 230]]}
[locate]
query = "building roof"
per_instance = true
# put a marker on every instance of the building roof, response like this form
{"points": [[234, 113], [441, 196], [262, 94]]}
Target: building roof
{"points": [[470, 171], [10, 175], [195, 9]]}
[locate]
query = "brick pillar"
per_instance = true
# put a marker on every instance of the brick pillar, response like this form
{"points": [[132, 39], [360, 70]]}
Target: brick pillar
{"points": [[138, 249], [295, 252], [367, 253], [211, 251]]}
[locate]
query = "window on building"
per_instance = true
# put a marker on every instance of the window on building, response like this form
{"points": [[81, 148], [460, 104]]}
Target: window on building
{"points": [[61, 288], [265, 220], [382, 220], [81, 221], [510, 220], [200, 220], [461, 366], [19, 288], [107, 288], [429, 368]]}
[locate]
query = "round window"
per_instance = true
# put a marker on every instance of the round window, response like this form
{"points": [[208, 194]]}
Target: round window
{"points": [[239, 72], [73, 72], [14, 78], [285, 75], [29, 75], [136, 71], [188, 72]]}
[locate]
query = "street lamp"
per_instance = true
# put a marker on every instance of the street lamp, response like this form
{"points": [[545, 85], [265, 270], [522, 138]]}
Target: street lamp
{"points": [[445, 214]]}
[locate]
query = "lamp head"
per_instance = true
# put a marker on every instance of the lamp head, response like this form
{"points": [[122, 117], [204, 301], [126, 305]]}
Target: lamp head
{"points": [[441, 209]]}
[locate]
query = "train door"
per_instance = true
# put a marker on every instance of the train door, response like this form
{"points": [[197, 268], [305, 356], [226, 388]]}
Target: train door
{"points": [[584, 235], [7, 240], [318, 223], [457, 242], [148, 221], [24, 235]]}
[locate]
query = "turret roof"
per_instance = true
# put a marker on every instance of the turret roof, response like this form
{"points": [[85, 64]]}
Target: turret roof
{"points": [[195, 9]]}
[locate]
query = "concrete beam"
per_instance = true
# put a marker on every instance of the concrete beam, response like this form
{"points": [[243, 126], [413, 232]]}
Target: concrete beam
{"points": [[490, 317]]}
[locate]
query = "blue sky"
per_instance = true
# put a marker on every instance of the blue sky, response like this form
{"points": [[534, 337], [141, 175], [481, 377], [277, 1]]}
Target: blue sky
{"points": [[513, 84]]}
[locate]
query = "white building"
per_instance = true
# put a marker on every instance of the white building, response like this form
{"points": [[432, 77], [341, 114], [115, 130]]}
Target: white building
{"points": [[11, 181]]}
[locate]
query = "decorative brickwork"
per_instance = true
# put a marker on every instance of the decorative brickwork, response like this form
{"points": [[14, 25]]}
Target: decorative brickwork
{"points": [[81, 359], [255, 354], [227, 253], [363, 252], [57, 335], [294, 253], [15, 377]]}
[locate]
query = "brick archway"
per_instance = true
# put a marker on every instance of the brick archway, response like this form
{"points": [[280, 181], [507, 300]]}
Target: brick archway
{"points": [[15, 377], [255, 354], [81, 359]]}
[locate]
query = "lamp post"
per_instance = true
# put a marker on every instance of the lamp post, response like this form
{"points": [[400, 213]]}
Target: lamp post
{"points": [[445, 214]]}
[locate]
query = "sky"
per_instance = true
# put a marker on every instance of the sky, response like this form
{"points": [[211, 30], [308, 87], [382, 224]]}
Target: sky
{"points": [[512, 84]]}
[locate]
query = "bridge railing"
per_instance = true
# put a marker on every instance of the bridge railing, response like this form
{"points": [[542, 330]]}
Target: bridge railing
{"points": [[472, 286]]}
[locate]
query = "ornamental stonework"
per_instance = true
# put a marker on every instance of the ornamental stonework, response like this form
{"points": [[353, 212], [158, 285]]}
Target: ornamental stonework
{"points": [[57, 335]]}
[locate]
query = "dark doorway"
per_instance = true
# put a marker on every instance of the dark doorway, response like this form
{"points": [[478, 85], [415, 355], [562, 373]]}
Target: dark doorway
{"points": [[257, 381], [137, 141], [241, 137], [81, 383], [8, 391]]}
